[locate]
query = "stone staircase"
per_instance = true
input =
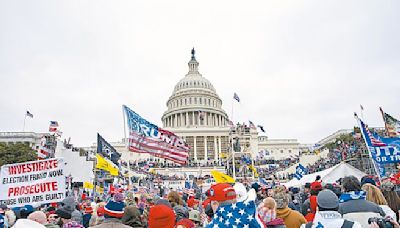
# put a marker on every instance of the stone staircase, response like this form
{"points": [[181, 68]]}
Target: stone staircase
{"points": [[305, 160]]}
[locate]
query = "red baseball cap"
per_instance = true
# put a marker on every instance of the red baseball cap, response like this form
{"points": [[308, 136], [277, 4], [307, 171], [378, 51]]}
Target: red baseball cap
{"points": [[221, 192], [316, 185]]}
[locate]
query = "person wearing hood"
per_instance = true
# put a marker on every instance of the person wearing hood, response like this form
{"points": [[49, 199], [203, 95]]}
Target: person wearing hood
{"points": [[327, 214], [267, 213], [132, 217], [353, 204], [66, 219], [40, 217], [291, 218], [69, 204], [181, 212]]}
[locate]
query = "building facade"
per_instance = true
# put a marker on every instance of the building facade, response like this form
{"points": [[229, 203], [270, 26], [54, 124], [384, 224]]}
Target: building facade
{"points": [[194, 112]]}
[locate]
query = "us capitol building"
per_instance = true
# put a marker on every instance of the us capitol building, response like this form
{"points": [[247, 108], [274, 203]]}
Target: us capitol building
{"points": [[194, 112]]}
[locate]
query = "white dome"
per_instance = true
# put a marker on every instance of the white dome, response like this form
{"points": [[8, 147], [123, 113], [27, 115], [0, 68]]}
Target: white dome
{"points": [[194, 102]]}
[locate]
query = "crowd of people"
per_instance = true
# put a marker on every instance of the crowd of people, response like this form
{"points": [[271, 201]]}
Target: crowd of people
{"points": [[349, 203]]}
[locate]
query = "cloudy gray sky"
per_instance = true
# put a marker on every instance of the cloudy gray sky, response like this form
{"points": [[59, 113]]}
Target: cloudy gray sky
{"points": [[301, 68]]}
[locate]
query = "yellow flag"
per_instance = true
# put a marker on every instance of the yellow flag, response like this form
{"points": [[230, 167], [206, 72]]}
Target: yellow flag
{"points": [[88, 185], [101, 163], [221, 177], [113, 170], [254, 170], [105, 165]]}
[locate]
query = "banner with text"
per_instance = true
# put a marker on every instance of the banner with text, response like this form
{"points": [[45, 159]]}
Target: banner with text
{"points": [[34, 182]]}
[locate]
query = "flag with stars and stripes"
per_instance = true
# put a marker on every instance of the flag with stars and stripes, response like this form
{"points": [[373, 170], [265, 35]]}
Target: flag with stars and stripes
{"points": [[240, 215]]}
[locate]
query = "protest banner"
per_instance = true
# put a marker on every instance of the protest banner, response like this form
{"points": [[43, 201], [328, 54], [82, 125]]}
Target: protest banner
{"points": [[34, 182]]}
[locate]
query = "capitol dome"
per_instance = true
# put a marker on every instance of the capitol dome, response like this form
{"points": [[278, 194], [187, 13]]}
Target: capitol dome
{"points": [[194, 102]]}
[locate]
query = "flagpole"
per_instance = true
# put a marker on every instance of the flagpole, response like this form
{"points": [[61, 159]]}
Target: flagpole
{"points": [[126, 146], [369, 151], [23, 129], [362, 113]]}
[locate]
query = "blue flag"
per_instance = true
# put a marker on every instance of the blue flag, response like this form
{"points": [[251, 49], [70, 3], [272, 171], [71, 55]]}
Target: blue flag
{"points": [[383, 150]]}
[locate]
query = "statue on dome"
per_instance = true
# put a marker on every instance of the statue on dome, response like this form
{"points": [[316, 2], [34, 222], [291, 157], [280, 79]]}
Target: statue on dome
{"points": [[193, 53]]}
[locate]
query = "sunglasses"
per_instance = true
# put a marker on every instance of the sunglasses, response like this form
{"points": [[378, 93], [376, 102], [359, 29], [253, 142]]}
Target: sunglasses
{"points": [[53, 217]]}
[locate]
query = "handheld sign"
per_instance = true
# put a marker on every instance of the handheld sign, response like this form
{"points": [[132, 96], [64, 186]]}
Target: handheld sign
{"points": [[34, 182]]}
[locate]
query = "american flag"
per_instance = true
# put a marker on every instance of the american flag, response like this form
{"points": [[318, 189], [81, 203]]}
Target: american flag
{"points": [[43, 152], [53, 126], [252, 126], [236, 97], [145, 137], [241, 214], [374, 141]]}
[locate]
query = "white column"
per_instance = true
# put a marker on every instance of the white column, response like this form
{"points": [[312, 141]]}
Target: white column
{"points": [[215, 120], [176, 120], [187, 119], [195, 148], [219, 148], [181, 124], [205, 149], [215, 149], [193, 118]]}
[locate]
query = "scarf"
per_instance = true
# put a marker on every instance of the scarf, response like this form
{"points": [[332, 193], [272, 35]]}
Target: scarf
{"points": [[352, 196]]}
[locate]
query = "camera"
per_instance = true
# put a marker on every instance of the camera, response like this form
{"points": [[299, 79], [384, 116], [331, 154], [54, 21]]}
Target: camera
{"points": [[382, 223]]}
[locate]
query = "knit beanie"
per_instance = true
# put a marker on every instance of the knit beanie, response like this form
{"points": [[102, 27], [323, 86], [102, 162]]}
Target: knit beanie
{"points": [[161, 216], [63, 213], [114, 209]]}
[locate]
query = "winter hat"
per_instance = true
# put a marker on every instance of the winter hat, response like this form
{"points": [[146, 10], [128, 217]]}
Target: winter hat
{"points": [[256, 186], [187, 223], [316, 185], [194, 215], [69, 204], [118, 197], [38, 216], [367, 180], [163, 202], [387, 186], [161, 216], [327, 199], [63, 214], [114, 209], [241, 192], [181, 212], [221, 192]]}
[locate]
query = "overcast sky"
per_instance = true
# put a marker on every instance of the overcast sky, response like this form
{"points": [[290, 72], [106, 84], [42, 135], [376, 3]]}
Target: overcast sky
{"points": [[301, 68]]}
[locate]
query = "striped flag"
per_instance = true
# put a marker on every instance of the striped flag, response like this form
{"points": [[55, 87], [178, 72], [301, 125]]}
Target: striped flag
{"points": [[145, 137], [392, 125], [53, 126], [43, 153], [252, 126]]}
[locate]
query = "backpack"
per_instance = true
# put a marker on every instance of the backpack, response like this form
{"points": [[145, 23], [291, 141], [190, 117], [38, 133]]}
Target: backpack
{"points": [[313, 206], [346, 224]]}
